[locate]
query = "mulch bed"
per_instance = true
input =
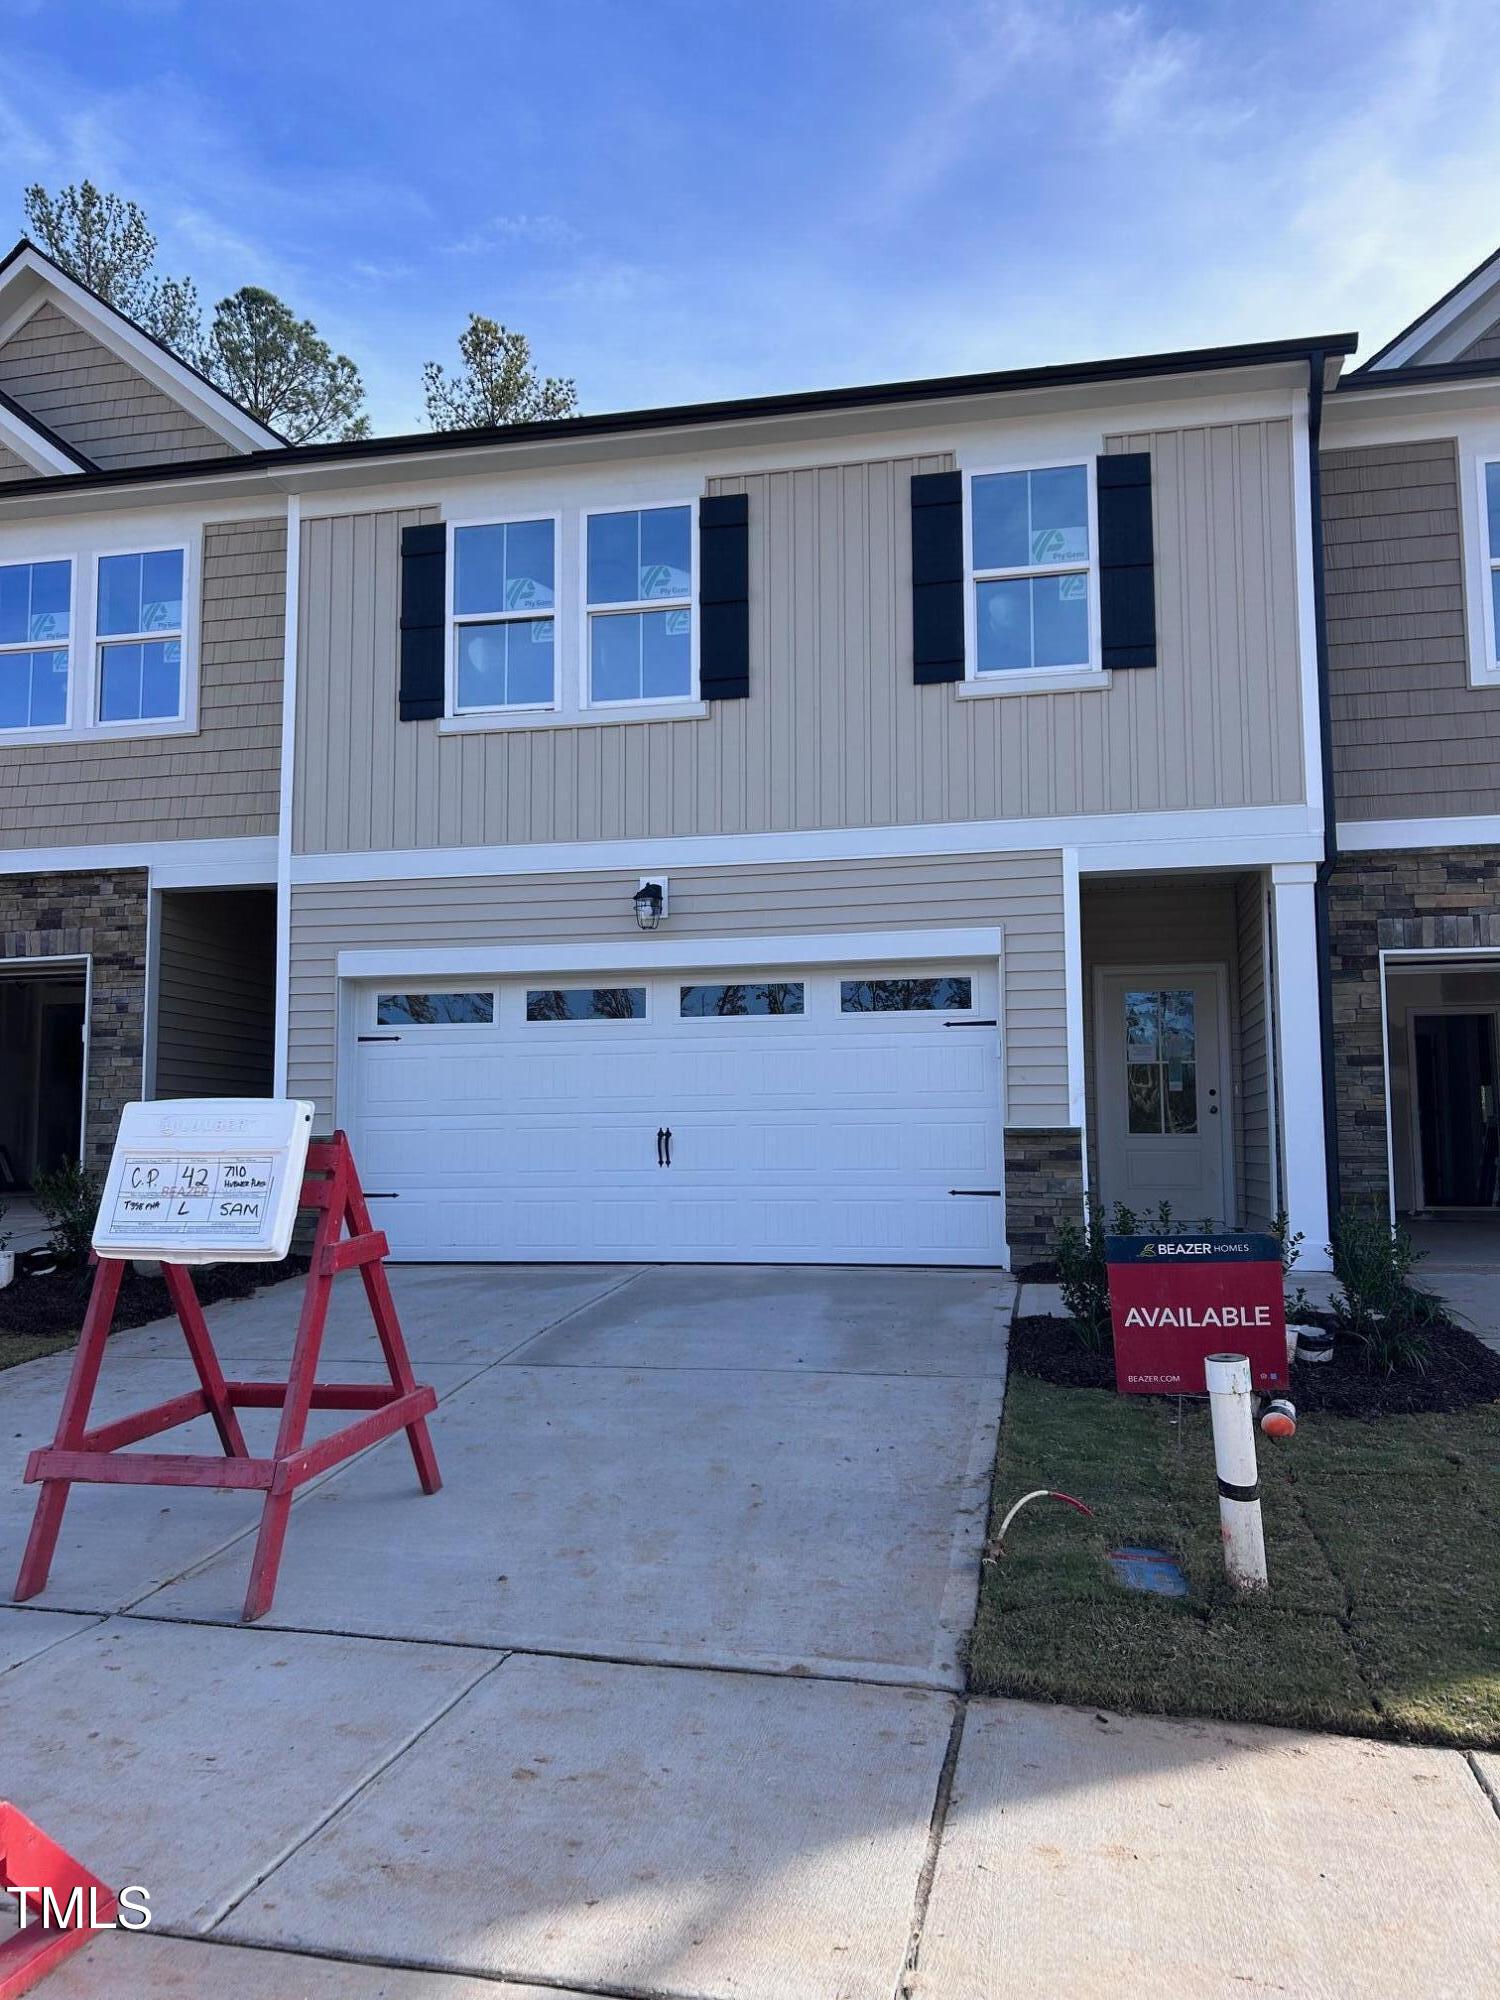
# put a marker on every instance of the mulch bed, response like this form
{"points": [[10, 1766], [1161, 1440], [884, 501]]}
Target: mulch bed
{"points": [[48, 1307], [1460, 1371]]}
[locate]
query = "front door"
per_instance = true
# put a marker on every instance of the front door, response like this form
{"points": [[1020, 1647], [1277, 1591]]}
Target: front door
{"points": [[1163, 1104], [1458, 1109]]}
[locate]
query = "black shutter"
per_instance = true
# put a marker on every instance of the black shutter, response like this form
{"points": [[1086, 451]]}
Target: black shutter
{"points": [[1127, 573], [937, 577], [424, 562], [724, 597]]}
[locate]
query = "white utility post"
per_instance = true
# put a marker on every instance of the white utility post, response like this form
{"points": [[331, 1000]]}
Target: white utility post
{"points": [[1231, 1408], [1299, 1048]]}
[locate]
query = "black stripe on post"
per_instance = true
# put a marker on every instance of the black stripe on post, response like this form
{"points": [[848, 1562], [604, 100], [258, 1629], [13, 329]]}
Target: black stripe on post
{"points": [[937, 577], [424, 562], [1127, 567], [724, 597]]}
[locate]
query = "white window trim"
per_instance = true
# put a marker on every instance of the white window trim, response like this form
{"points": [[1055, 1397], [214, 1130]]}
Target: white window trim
{"points": [[653, 705], [1484, 658], [50, 732], [1031, 680], [571, 706], [84, 643], [454, 621], [186, 718]]}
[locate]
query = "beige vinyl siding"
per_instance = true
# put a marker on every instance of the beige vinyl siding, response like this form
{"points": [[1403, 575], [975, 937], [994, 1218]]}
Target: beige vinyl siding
{"points": [[61, 375], [1412, 738], [835, 733], [1254, 1141], [1156, 925], [216, 993], [13, 466], [219, 783], [1022, 893]]}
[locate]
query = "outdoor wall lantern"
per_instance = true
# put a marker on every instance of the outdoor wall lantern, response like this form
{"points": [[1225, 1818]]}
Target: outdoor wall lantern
{"points": [[650, 903]]}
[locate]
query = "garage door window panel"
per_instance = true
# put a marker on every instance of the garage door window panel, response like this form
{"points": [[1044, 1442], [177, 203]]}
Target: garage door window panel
{"points": [[435, 1010], [739, 1000], [586, 1003], [934, 993]]}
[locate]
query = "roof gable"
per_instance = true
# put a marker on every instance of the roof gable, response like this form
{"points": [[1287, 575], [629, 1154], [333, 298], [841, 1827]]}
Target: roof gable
{"points": [[103, 385], [1463, 325]]}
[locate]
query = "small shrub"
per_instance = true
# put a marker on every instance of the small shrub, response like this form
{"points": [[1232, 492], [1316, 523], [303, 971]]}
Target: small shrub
{"points": [[1083, 1274], [1377, 1305], [1290, 1241], [68, 1197]]}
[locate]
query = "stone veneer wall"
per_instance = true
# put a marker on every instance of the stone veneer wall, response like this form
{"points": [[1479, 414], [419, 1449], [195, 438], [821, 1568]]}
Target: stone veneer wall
{"points": [[57, 916], [1400, 901], [1043, 1185]]}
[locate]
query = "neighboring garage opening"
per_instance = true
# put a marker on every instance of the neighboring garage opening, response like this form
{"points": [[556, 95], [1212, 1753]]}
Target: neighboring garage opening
{"points": [[42, 1055], [215, 993], [1443, 1065]]}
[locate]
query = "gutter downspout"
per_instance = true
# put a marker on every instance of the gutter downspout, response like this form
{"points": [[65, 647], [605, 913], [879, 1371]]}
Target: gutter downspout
{"points": [[1326, 867]]}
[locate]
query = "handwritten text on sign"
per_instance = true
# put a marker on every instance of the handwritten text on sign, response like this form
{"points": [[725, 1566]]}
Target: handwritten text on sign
{"points": [[204, 1180]]}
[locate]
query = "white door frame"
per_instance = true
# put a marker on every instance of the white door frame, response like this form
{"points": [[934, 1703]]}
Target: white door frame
{"points": [[86, 960], [1218, 970]]}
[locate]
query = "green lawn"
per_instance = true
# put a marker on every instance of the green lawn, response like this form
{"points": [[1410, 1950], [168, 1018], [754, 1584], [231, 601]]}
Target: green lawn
{"points": [[18, 1347], [1383, 1546]]}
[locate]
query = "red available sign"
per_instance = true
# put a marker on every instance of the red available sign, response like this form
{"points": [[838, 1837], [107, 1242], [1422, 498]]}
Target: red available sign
{"points": [[1174, 1300]]}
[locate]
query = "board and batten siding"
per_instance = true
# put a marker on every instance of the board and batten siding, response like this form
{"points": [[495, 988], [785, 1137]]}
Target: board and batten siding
{"points": [[215, 993], [1412, 737], [835, 733], [1021, 893], [73, 384], [218, 783]]}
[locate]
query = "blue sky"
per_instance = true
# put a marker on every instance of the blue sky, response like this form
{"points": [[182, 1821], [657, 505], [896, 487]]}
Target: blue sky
{"points": [[678, 201]]}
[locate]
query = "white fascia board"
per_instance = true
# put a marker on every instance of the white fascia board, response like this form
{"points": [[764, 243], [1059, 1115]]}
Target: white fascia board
{"points": [[1446, 330], [1018, 422], [174, 864], [1369, 836], [39, 452], [1227, 837], [659, 954], [32, 274]]}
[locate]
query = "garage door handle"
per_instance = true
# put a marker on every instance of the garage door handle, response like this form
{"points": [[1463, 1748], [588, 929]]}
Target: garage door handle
{"points": [[669, 1145], [971, 1024], [378, 1038], [977, 1191], [661, 1145]]}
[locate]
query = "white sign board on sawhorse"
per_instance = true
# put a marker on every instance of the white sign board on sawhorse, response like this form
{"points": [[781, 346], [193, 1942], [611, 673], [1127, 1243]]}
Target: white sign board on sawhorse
{"points": [[205, 1180]]}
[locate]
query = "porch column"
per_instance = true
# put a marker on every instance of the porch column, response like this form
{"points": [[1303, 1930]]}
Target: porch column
{"points": [[1299, 1050]]}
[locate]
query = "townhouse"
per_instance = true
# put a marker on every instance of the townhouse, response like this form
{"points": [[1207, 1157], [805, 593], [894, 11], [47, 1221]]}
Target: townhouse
{"points": [[832, 827], [1411, 513]]}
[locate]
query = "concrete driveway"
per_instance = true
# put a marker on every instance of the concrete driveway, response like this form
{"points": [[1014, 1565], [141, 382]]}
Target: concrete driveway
{"points": [[660, 1695]]}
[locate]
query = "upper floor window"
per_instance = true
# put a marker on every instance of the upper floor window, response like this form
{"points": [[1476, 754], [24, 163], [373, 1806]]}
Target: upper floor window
{"points": [[639, 587], [504, 613], [1030, 557], [36, 602], [138, 637]]}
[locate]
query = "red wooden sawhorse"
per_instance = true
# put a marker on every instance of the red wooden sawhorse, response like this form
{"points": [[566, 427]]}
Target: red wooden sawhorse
{"points": [[77, 1453], [79, 1902]]}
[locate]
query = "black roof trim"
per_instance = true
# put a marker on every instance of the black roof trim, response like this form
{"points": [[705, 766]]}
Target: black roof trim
{"points": [[24, 243], [811, 402], [1414, 377], [8, 402], [1436, 307]]}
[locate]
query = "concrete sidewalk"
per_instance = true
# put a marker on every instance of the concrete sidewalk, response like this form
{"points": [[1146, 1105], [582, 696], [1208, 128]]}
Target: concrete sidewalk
{"points": [[662, 1694]]}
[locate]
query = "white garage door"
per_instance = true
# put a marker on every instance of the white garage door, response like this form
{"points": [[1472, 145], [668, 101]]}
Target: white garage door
{"points": [[773, 1116]]}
